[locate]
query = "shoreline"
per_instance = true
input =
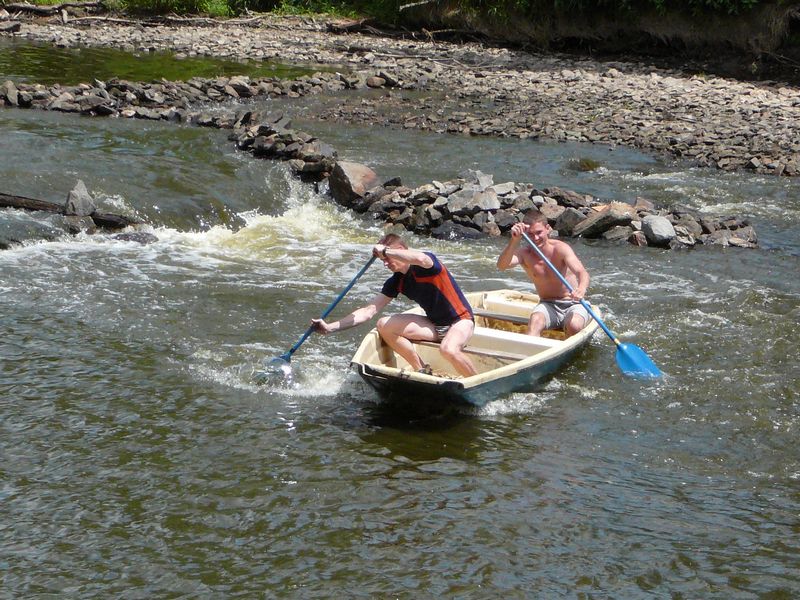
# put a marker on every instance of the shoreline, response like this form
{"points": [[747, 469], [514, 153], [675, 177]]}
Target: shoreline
{"points": [[709, 121]]}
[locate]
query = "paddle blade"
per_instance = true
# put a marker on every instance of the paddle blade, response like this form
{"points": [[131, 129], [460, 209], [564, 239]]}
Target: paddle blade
{"points": [[633, 361], [276, 368]]}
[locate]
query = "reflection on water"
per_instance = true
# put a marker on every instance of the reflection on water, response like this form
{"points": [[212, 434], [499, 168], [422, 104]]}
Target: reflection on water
{"points": [[29, 62], [140, 459]]}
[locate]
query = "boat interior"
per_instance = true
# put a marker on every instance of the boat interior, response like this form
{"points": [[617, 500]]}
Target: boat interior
{"points": [[500, 338]]}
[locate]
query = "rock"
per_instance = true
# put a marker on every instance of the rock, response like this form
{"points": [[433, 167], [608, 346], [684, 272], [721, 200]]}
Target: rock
{"points": [[375, 82], [506, 219], [638, 238], [684, 236], [11, 27], [567, 198], [469, 202], [9, 93], [479, 178], [613, 215], [140, 237], [552, 211], [503, 189], [454, 231], [643, 204], [79, 201], [618, 233], [76, 225], [567, 220], [658, 230], [350, 181]]}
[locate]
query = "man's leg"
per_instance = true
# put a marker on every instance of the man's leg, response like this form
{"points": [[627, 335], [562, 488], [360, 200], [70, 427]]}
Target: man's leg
{"points": [[576, 319], [453, 343], [540, 319], [399, 330]]}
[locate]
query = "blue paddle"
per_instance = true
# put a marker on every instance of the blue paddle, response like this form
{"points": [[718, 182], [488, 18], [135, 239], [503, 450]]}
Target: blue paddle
{"points": [[282, 362], [631, 359]]}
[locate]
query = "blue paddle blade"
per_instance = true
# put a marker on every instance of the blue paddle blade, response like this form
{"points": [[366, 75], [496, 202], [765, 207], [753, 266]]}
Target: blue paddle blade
{"points": [[633, 361]]}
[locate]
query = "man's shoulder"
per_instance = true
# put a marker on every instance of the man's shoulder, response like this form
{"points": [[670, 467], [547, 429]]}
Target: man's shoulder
{"points": [[560, 247]]}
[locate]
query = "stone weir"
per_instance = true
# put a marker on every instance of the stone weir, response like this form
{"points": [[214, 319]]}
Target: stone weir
{"points": [[467, 206], [473, 205]]}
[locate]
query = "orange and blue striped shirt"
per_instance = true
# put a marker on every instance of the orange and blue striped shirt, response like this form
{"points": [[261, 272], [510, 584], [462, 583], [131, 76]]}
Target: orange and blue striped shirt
{"points": [[433, 289]]}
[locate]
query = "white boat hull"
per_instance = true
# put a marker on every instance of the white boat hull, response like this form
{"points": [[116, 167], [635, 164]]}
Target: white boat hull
{"points": [[507, 359]]}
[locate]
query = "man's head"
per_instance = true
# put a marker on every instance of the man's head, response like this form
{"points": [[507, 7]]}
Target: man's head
{"points": [[392, 240], [537, 226]]}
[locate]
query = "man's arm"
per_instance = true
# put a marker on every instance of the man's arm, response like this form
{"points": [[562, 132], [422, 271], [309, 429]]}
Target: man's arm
{"points": [[406, 255], [509, 256], [355, 318], [573, 263]]}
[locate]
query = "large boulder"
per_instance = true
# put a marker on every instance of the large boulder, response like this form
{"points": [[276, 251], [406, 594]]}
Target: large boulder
{"points": [[79, 201], [658, 230], [470, 202], [612, 215], [9, 93], [455, 231], [350, 181]]}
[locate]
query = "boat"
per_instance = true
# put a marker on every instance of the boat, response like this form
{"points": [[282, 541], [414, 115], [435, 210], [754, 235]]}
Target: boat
{"points": [[506, 357]]}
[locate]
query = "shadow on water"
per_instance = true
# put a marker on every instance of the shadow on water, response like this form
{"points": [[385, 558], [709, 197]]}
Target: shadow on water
{"points": [[424, 435], [423, 414]]}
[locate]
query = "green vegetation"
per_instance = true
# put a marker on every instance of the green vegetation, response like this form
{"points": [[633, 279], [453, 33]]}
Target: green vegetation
{"points": [[392, 11], [583, 165]]}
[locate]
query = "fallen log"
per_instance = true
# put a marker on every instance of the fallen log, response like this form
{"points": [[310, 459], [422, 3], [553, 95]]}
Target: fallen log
{"points": [[104, 220], [51, 10], [109, 221], [20, 202]]}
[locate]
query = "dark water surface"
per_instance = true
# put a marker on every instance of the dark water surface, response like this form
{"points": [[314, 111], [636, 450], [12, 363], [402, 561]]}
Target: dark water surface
{"points": [[139, 459]]}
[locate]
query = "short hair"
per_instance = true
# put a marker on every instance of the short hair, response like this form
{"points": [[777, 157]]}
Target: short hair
{"points": [[534, 215], [392, 239]]}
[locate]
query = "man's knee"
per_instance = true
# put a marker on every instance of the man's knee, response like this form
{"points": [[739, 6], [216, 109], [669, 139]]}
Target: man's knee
{"points": [[381, 324], [537, 322], [574, 325], [449, 349]]}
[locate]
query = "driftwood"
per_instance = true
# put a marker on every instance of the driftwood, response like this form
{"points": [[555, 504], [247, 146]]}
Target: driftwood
{"points": [[9, 201], [51, 10], [105, 220]]}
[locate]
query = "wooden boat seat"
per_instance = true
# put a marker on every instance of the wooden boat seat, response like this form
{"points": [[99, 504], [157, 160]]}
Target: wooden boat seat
{"points": [[479, 312], [480, 352], [511, 338]]}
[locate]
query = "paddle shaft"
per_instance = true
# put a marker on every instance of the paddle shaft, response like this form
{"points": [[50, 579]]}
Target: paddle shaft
{"points": [[570, 288], [328, 310]]}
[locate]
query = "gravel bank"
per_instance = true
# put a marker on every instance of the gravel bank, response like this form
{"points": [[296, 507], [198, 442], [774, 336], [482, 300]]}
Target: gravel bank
{"points": [[481, 90]]}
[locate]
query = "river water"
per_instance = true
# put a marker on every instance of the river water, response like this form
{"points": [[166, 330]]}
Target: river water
{"points": [[140, 460]]}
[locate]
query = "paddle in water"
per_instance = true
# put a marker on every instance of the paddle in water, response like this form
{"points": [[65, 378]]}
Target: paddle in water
{"points": [[631, 359], [281, 364]]}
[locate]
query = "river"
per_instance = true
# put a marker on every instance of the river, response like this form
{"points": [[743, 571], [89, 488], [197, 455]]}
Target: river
{"points": [[139, 458]]}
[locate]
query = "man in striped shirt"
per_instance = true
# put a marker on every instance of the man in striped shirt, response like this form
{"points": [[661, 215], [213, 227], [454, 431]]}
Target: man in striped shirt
{"points": [[422, 278]]}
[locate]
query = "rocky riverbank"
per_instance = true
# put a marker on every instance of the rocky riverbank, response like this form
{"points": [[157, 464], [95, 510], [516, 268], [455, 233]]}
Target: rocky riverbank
{"points": [[480, 90], [468, 205], [464, 207]]}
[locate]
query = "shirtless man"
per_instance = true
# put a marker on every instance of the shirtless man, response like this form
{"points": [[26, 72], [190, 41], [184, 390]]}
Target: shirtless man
{"points": [[558, 308], [421, 277]]}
